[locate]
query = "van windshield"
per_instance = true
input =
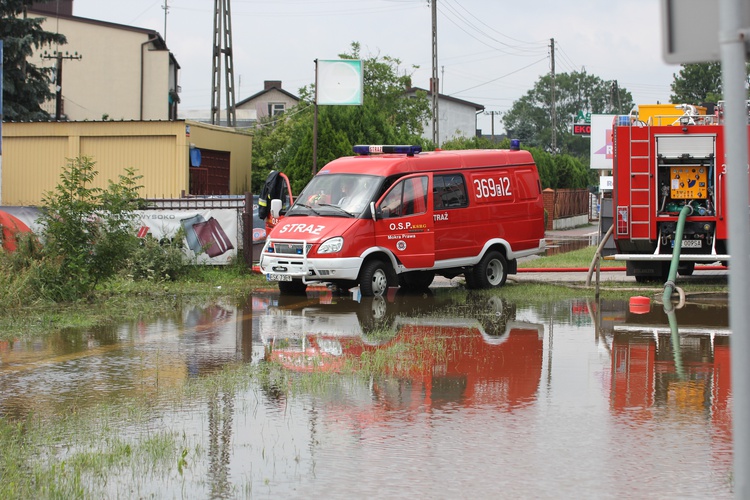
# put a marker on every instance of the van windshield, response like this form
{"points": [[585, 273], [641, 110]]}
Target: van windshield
{"points": [[336, 195]]}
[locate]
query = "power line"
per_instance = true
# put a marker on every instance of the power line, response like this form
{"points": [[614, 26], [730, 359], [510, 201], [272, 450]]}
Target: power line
{"points": [[501, 77]]}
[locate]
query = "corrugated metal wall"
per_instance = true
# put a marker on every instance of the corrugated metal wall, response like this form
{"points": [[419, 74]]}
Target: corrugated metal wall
{"points": [[35, 153], [156, 158]]}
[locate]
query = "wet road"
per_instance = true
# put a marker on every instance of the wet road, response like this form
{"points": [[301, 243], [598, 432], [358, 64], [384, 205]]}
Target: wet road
{"points": [[482, 397]]}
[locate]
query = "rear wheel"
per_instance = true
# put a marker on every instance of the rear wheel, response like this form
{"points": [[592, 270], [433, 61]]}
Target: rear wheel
{"points": [[294, 287], [375, 278], [492, 271]]}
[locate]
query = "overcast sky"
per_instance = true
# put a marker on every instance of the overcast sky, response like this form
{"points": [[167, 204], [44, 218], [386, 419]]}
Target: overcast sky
{"points": [[490, 52]]}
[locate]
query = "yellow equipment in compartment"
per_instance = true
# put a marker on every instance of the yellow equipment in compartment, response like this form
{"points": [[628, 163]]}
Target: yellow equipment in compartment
{"points": [[689, 183]]}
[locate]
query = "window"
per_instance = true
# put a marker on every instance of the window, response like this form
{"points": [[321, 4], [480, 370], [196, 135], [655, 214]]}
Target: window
{"points": [[449, 191], [276, 108], [408, 197]]}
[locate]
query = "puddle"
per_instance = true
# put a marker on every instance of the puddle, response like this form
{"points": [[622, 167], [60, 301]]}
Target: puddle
{"points": [[475, 386]]}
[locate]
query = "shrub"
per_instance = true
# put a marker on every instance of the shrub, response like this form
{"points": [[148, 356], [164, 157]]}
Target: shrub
{"points": [[89, 232], [157, 261]]}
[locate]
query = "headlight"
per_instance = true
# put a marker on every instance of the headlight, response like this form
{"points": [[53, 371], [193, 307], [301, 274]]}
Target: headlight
{"points": [[332, 246]]}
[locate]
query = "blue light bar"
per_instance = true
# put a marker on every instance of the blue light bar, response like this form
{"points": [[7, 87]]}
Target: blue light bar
{"points": [[392, 149], [515, 144]]}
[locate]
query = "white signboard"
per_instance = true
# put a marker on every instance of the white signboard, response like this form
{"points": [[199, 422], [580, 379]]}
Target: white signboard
{"points": [[601, 142], [606, 183], [690, 31], [340, 82]]}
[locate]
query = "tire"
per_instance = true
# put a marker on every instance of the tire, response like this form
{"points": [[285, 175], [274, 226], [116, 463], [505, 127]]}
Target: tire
{"points": [[294, 287], [469, 278], [686, 269], [416, 280], [492, 271], [375, 278]]}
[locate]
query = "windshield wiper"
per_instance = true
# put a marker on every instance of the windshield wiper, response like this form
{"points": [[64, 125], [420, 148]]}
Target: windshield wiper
{"points": [[308, 207], [337, 208]]}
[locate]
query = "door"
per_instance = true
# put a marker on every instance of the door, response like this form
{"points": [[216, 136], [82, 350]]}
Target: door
{"points": [[404, 222]]}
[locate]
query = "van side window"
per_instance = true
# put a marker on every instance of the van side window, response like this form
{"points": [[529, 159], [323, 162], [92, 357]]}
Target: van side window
{"points": [[528, 184], [408, 197], [449, 191]]}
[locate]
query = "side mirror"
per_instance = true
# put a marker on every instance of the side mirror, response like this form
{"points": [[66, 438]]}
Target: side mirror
{"points": [[275, 208], [372, 210]]}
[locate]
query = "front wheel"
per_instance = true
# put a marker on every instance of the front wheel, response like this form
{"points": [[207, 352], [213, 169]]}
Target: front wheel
{"points": [[375, 278], [492, 271]]}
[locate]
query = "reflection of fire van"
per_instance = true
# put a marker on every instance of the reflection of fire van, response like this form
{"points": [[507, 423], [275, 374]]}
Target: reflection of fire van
{"points": [[400, 217]]}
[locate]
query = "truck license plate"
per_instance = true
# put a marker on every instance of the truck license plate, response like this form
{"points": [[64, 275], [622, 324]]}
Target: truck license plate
{"points": [[278, 277], [691, 243]]}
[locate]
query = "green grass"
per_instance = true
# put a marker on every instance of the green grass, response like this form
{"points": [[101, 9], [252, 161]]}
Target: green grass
{"points": [[576, 258]]}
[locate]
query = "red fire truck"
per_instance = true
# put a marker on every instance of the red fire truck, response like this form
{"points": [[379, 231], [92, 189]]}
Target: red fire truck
{"points": [[394, 216], [667, 157]]}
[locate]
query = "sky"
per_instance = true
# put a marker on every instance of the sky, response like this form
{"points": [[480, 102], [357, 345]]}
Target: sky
{"points": [[489, 52]]}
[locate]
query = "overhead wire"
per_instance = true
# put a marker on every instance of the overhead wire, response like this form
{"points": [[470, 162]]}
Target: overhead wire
{"points": [[451, 14]]}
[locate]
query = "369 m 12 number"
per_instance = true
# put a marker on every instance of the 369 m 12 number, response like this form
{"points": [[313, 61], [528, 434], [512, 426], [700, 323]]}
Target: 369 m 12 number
{"points": [[492, 188]]}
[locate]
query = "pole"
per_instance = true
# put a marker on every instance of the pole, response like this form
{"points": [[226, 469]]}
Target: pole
{"points": [[315, 123], [435, 84], [58, 87], [554, 110], [58, 57], [166, 10], [1, 122], [732, 50]]}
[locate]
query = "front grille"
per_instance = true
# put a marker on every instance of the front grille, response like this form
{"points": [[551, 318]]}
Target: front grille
{"points": [[290, 248]]}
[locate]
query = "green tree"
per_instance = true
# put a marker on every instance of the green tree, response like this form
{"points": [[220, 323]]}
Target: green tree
{"points": [[385, 117], [88, 232], [697, 83], [25, 86], [530, 118]]}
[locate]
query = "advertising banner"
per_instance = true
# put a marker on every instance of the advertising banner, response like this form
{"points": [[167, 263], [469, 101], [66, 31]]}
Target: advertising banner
{"points": [[601, 142], [210, 235]]}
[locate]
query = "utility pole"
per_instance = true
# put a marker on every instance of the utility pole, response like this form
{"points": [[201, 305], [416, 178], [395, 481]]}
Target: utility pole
{"points": [[554, 110], [166, 11], [222, 45], [59, 57], [435, 81]]}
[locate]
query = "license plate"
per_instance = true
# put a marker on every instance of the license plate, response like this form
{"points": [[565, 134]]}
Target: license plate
{"points": [[691, 243], [278, 277]]}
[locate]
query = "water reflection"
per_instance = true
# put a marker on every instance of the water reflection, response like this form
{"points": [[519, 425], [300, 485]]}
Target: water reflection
{"points": [[81, 367], [451, 348], [628, 404], [673, 361]]}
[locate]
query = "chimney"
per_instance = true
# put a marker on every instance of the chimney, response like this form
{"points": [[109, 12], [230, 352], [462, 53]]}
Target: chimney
{"points": [[269, 84], [58, 7]]}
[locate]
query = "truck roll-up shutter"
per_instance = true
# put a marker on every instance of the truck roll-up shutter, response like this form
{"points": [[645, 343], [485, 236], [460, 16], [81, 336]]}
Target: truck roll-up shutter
{"points": [[676, 146]]}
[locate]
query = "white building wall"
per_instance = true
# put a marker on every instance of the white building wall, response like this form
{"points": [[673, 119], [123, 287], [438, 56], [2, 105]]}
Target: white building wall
{"points": [[456, 120], [106, 81]]}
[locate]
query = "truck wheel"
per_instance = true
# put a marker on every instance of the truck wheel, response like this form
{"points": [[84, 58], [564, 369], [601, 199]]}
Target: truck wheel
{"points": [[470, 281], [416, 280], [375, 278], [491, 271], [686, 269], [294, 287]]}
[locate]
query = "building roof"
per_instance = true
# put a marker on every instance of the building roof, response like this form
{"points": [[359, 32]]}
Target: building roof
{"points": [[157, 38], [444, 97], [264, 91]]}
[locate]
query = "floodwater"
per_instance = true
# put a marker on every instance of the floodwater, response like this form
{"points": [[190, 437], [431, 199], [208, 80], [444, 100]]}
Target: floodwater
{"points": [[486, 397]]}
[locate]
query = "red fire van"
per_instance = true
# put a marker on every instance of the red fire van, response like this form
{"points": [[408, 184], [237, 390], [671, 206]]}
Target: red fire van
{"points": [[393, 215]]}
